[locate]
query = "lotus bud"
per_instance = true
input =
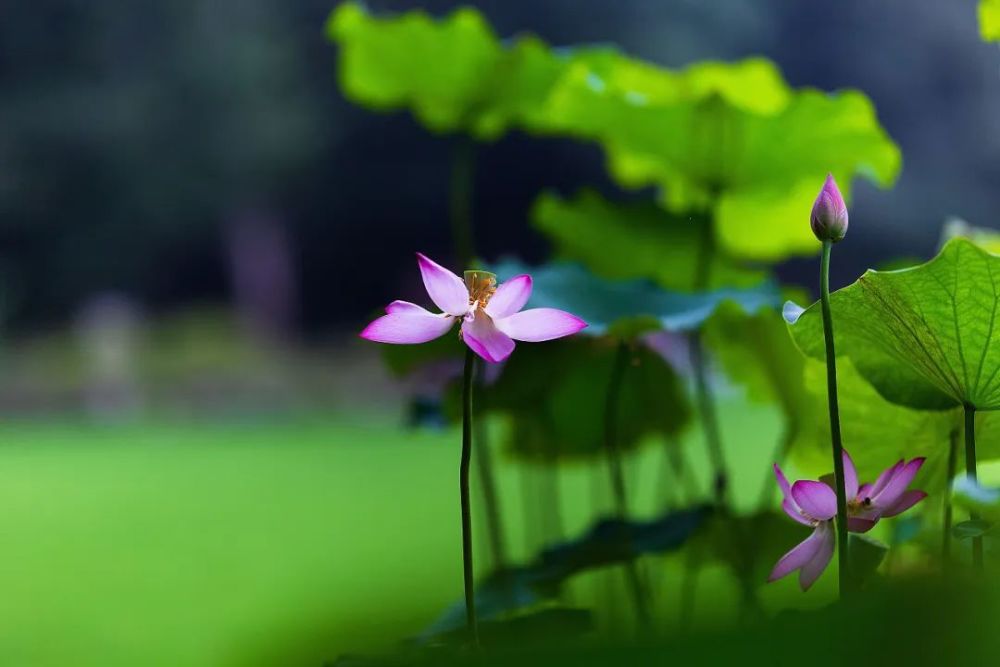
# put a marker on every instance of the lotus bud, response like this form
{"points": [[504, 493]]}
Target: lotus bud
{"points": [[829, 213]]}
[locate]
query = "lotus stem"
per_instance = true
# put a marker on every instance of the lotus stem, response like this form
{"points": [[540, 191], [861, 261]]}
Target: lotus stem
{"points": [[487, 480], [952, 463], [618, 477], [463, 167], [838, 448], [470, 595], [970, 470]]}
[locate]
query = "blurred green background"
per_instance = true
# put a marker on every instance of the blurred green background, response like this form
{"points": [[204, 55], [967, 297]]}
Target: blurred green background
{"points": [[201, 464]]}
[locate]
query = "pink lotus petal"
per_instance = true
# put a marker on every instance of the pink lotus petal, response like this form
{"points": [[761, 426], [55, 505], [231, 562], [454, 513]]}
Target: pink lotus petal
{"points": [[408, 326], [510, 297], [405, 307], [885, 478], [907, 500], [447, 291], [850, 477], [857, 524], [815, 498], [786, 488], [811, 571], [895, 487], [486, 339], [540, 324], [801, 554], [792, 510], [864, 491]]}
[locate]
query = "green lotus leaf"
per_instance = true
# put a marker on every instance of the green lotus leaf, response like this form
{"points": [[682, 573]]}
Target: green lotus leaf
{"points": [[989, 19], [553, 395], [757, 167], [982, 495], [436, 68], [629, 307], [634, 240], [922, 336], [878, 433], [984, 237], [453, 73], [755, 351]]}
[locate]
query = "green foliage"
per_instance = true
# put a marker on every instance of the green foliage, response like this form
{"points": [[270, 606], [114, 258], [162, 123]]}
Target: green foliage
{"points": [[635, 240], [989, 19], [982, 495], [875, 431], [730, 138], [754, 350], [986, 238], [453, 74], [628, 308], [923, 336], [555, 394], [434, 67], [878, 432], [866, 555], [607, 542]]}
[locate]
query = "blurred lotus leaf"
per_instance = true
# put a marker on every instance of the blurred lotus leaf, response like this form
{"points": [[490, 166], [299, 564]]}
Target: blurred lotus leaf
{"points": [[981, 495], [434, 67], [607, 542], [630, 307], [755, 351], [554, 395], [989, 19], [635, 240], [453, 73], [984, 237], [866, 555], [732, 139], [922, 336]]}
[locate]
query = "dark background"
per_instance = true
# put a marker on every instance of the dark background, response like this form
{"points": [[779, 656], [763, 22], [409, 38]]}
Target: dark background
{"points": [[133, 134]]}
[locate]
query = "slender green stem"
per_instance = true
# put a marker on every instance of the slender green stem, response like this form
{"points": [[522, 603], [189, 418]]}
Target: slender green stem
{"points": [[463, 167], [838, 449], [952, 463], [470, 595], [461, 194], [703, 391], [487, 480], [709, 419], [970, 470], [617, 475]]}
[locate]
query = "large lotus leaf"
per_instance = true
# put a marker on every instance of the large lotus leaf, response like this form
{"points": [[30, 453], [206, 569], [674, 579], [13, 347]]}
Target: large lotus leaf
{"points": [[878, 433], [521, 83], [437, 68], [924, 336], [553, 395], [634, 240], [632, 306], [760, 171], [989, 19]]}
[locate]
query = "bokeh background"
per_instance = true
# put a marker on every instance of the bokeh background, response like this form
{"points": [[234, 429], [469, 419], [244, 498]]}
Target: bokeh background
{"points": [[199, 461]]}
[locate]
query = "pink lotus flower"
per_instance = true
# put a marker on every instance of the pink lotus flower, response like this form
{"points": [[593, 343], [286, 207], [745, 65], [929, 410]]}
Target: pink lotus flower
{"points": [[491, 316], [815, 504], [829, 213]]}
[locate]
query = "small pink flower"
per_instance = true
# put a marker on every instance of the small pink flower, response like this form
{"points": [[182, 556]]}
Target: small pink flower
{"points": [[829, 213], [815, 504], [491, 316]]}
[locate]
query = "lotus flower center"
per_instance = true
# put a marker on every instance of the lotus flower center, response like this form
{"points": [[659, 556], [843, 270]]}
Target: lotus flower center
{"points": [[859, 504], [481, 286]]}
